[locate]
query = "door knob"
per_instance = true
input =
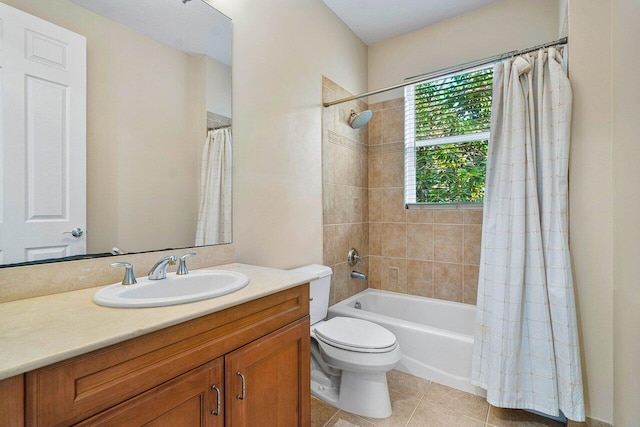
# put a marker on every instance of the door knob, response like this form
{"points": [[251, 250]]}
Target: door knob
{"points": [[76, 232]]}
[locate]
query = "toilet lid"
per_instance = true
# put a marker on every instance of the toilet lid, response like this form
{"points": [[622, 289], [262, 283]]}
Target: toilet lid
{"points": [[355, 334]]}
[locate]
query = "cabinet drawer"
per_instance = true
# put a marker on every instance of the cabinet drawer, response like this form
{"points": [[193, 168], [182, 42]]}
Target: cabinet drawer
{"points": [[184, 401], [75, 389]]}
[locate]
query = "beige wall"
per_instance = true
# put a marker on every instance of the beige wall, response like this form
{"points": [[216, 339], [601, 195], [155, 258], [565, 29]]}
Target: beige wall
{"points": [[345, 193], [141, 140], [500, 27], [281, 50], [625, 26], [590, 197]]}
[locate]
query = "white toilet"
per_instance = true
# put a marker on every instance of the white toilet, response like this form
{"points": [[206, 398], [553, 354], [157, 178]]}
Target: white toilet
{"points": [[349, 357]]}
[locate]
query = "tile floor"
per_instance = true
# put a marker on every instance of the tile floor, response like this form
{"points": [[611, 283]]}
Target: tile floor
{"points": [[420, 403]]}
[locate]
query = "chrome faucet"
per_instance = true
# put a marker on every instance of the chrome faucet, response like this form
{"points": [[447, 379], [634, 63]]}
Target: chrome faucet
{"points": [[358, 275], [159, 270], [182, 268]]}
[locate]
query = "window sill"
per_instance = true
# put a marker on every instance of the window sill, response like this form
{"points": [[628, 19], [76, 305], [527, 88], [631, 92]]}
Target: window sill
{"points": [[443, 206]]}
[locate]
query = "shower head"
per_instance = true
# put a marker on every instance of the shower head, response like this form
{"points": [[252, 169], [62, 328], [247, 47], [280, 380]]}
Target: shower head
{"points": [[357, 120]]}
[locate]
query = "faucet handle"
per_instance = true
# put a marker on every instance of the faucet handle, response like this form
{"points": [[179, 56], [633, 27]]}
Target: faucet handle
{"points": [[353, 257], [182, 268], [129, 278]]}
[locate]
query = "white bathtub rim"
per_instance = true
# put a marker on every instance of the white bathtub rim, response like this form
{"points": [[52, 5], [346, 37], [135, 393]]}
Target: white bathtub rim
{"points": [[343, 309]]}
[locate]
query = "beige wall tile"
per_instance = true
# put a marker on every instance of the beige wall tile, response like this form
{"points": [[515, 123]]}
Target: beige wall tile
{"points": [[447, 281], [327, 246], [470, 284], [376, 107], [393, 274], [375, 171], [336, 243], [393, 103], [472, 240], [392, 170], [448, 216], [473, 216], [420, 278], [358, 197], [393, 205], [447, 243], [375, 238], [375, 128], [394, 240], [363, 164], [376, 197], [341, 285], [393, 125], [420, 241], [375, 264], [357, 285], [358, 238], [328, 203], [420, 215]]}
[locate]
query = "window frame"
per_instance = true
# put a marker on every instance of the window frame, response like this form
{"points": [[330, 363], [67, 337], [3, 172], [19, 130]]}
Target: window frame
{"points": [[410, 145]]}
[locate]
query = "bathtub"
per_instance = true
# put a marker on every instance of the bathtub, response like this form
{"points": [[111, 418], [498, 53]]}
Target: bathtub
{"points": [[435, 336]]}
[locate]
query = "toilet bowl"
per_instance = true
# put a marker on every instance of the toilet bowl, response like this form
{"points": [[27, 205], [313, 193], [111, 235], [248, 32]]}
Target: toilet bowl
{"points": [[349, 357]]}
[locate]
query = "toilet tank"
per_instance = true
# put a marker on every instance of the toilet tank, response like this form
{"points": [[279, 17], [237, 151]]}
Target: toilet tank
{"points": [[318, 290]]}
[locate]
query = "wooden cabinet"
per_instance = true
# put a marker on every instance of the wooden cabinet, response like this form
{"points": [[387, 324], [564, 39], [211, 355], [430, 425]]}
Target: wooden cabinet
{"points": [[166, 378], [186, 401], [12, 401], [268, 380]]}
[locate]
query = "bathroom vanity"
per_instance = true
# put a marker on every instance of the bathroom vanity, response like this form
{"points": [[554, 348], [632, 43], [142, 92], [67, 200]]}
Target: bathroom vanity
{"points": [[241, 360]]}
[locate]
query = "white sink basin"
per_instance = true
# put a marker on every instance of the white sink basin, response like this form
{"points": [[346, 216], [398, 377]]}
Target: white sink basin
{"points": [[195, 286]]}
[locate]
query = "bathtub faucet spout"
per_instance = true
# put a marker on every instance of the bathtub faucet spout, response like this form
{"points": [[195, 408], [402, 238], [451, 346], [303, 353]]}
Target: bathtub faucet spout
{"points": [[358, 275]]}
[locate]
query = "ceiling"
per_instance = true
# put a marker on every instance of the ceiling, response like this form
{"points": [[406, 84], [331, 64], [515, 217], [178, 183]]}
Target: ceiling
{"points": [[194, 27], [379, 20]]}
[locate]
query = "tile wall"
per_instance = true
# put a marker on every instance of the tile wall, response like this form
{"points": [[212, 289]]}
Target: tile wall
{"points": [[345, 192], [430, 252]]}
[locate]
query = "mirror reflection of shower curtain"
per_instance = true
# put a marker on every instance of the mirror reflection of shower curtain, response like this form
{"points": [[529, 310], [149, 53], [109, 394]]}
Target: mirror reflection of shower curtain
{"points": [[214, 214]]}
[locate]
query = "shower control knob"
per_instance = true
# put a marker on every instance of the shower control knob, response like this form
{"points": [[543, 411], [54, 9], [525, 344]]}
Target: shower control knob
{"points": [[353, 257]]}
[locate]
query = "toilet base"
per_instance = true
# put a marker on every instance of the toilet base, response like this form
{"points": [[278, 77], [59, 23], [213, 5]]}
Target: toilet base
{"points": [[364, 394]]}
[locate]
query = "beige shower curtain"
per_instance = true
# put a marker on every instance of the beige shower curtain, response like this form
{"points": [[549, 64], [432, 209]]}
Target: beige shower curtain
{"points": [[214, 215], [526, 352]]}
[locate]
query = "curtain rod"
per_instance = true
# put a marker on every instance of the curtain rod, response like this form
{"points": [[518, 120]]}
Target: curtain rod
{"points": [[449, 70]]}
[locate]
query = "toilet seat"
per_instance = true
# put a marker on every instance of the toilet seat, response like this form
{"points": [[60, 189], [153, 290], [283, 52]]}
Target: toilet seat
{"points": [[355, 335]]}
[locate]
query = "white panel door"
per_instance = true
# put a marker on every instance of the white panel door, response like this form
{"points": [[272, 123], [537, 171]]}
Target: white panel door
{"points": [[42, 138]]}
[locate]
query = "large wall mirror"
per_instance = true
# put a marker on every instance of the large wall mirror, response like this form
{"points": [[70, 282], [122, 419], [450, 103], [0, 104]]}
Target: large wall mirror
{"points": [[119, 103]]}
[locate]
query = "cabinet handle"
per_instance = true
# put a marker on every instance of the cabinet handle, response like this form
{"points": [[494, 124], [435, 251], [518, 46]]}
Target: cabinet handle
{"points": [[217, 410], [241, 396]]}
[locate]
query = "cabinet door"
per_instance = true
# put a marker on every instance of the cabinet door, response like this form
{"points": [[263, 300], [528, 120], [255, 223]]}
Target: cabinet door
{"points": [[12, 401], [188, 400], [268, 380]]}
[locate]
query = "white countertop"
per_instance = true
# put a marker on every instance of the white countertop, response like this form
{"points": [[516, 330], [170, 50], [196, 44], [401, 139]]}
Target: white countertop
{"points": [[36, 332]]}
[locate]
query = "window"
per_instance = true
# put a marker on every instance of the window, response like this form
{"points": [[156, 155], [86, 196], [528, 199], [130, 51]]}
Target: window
{"points": [[446, 138]]}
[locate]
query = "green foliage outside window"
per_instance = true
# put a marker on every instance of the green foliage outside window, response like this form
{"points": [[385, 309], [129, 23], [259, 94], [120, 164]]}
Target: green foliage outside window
{"points": [[451, 173], [453, 106]]}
